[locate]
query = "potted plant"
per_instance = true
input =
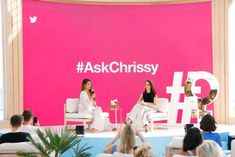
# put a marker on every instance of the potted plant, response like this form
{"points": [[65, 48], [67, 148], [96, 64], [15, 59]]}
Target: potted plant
{"points": [[54, 144]]}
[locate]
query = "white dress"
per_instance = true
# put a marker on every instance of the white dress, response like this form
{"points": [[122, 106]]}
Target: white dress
{"points": [[86, 106]]}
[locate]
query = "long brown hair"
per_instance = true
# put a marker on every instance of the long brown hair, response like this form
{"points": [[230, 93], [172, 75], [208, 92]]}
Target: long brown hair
{"points": [[84, 82], [127, 140], [152, 89]]}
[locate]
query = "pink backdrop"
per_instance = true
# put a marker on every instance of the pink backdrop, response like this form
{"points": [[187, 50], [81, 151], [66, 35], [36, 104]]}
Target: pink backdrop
{"points": [[176, 37]]}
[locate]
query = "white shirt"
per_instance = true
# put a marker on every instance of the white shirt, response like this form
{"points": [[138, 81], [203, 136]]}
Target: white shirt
{"points": [[85, 104]]}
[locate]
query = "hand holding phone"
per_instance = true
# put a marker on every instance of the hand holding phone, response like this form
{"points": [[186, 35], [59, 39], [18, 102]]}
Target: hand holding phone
{"points": [[35, 120]]}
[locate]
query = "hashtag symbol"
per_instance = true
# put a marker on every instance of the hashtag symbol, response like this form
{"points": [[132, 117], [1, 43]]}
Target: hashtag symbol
{"points": [[80, 66]]}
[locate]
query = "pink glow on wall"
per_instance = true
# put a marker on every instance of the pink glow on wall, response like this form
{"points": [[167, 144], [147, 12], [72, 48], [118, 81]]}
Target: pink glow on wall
{"points": [[176, 37]]}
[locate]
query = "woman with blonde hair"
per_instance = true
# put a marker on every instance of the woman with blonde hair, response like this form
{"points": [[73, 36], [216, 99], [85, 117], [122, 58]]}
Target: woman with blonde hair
{"points": [[127, 141], [209, 148], [144, 151]]}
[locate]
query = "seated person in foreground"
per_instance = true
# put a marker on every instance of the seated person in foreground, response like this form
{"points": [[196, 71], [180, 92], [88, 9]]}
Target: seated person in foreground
{"points": [[15, 135], [28, 122], [146, 104], [207, 125], [192, 139], [127, 141], [144, 150], [209, 149]]}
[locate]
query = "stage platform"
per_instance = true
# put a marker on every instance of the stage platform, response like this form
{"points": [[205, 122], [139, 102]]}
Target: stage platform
{"points": [[158, 139]]}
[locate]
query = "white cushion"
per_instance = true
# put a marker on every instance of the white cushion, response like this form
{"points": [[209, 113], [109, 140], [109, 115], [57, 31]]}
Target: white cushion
{"points": [[233, 148], [72, 105], [177, 142], [83, 115], [157, 115], [17, 147], [162, 105], [78, 116]]}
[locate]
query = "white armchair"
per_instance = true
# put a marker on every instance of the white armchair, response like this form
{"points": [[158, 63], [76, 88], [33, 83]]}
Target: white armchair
{"points": [[71, 112], [162, 112]]}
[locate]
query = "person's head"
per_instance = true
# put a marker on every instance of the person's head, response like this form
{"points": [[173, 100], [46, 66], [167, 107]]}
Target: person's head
{"points": [[209, 148], [187, 88], [212, 95], [28, 116], [149, 87], [127, 140], [86, 85], [16, 121], [192, 139], [144, 150], [207, 123]]}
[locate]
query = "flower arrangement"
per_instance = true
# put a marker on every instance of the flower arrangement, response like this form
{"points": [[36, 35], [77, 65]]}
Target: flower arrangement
{"points": [[114, 103]]}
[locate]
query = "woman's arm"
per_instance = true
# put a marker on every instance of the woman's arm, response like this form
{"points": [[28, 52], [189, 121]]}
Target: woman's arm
{"points": [[152, 105], [140, 98], [108, 148]]}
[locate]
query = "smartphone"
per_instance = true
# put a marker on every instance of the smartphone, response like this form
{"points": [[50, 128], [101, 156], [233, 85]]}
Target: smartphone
{"points": [[35, 120]]}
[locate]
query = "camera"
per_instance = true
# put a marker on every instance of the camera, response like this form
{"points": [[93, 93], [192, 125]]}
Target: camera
{"points": [[80, 130]]}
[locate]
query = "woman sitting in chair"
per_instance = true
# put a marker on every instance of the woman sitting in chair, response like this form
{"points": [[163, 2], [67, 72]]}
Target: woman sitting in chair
{"points": [[145, 105], [87, 105]]}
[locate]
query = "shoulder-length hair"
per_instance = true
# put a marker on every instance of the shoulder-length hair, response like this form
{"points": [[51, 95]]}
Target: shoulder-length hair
{"points": [[127, 140], [207, 123], [152, 89], [192, 139]]}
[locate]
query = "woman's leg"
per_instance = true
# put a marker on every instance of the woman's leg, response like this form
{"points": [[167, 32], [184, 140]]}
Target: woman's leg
{"points": [[98, 119], [133, 113]]}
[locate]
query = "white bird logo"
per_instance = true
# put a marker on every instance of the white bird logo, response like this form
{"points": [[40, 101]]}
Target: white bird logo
{"points": [[33, 19]]}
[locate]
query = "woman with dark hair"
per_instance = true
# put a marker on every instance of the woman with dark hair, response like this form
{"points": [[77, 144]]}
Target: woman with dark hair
{"points": [[145, 105], [87, 107], [207, 125], [192, 139]]}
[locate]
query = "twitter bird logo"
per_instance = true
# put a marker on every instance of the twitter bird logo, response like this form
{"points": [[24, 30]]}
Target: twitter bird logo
{"points": [[33, 19]]}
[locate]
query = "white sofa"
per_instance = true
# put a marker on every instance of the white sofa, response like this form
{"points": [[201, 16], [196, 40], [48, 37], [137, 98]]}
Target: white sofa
{"points": [[71, 112], [10, 149]]}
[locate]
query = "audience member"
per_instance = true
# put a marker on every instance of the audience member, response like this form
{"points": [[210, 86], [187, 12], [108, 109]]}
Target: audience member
{"points": [[144, 150], [207, 125], [209, 149], [127, 141], [192, 139], [28, 121], [15, 136]]}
